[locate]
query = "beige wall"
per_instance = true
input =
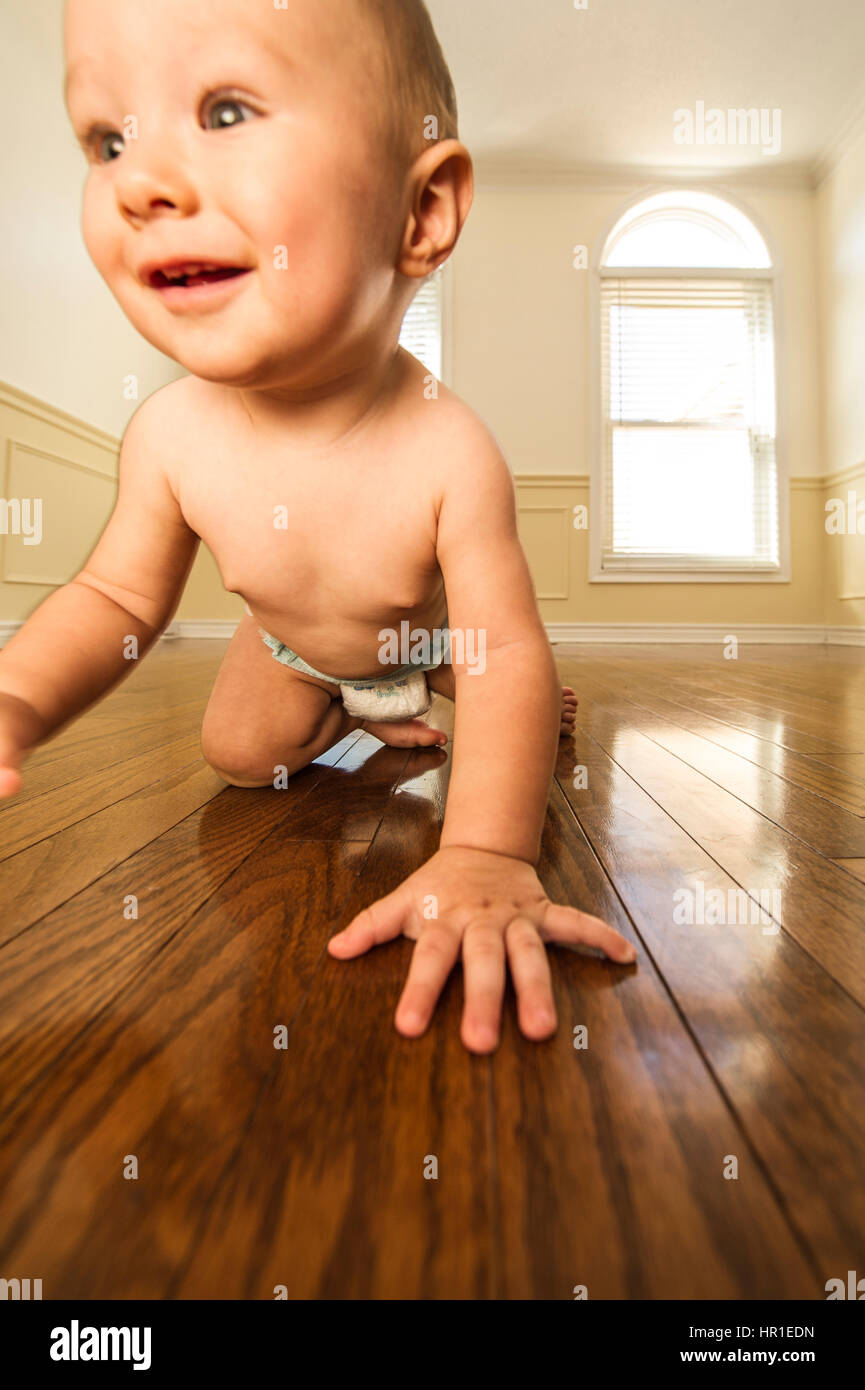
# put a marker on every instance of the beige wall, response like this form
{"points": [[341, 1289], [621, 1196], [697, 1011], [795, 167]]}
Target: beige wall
{"points": [[840, 205]]}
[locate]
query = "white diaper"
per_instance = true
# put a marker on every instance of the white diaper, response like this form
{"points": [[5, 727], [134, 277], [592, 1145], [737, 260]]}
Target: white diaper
{"points": [[388, 700]]}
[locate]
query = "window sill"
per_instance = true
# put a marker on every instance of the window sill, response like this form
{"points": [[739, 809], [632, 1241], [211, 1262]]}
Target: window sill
{"points": [[662, 575]]}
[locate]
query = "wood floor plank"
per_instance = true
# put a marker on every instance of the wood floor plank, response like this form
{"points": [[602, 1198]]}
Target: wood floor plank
{"points": [[785, 1042], [358, 1113], [827, 692], [388, 1241], [611, 1157], [173, 1073], [759, 719], [90, 947], [50, 872], [652, 693], [102, 748], [26, 823], [818, 904], [90, 950], [304, 1166], [829, 829]]}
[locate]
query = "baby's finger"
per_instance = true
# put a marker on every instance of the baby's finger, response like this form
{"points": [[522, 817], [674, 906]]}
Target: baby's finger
{"points": [[530, 970], [568, 925], [11, 759], [381, 921], [10, 781], [432, 961], [484, 987]]}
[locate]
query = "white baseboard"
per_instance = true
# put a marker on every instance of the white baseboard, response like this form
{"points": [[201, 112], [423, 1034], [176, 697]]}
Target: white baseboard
{"points": [[629, 634], [706, 633], [845, 636], [214, 628]]}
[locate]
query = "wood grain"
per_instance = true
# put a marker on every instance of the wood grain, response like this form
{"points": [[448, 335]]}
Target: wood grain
{"points": [[308, 1166]]}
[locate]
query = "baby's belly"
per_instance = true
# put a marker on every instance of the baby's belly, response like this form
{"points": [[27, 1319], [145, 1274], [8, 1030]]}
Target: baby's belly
{"points": [[344, 642]]}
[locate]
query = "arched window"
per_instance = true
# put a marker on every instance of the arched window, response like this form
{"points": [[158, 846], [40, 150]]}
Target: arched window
{"points": [[687, 478]]}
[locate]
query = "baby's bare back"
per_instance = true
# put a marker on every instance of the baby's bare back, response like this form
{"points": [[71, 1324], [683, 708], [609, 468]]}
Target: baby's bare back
{"points": [[327, 546]]}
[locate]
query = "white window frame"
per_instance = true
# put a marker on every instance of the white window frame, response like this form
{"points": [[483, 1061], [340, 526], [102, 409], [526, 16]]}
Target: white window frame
{"points": [[661, 573]]}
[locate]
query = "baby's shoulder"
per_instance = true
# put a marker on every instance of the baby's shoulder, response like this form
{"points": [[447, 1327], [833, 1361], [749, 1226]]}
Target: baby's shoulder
{"points": [[457, 435], [175, 410], [170, 433]]}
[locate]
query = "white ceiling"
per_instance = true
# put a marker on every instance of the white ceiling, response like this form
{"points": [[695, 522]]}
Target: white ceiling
{"points": [[545, 86]]}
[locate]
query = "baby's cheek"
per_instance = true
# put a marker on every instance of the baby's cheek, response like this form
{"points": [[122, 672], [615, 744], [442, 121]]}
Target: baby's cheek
{"points": [[316, 296], [103, 244]]}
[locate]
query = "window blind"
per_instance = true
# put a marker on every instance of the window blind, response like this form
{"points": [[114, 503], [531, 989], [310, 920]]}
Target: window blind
{"points": [[421, 332], [689, 476]]}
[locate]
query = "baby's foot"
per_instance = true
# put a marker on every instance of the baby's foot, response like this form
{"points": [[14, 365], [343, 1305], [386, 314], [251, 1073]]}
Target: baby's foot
{"points": [[414, 733], [569, 710], [405, 733]]}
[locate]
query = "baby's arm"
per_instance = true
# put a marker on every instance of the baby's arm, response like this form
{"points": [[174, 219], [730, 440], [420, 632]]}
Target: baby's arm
{"points": [[75, 647], [479, 896], [506, 728]]}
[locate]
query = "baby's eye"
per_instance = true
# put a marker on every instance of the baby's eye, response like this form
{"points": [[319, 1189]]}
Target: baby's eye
{"points": [[229, 106], [96, 143], [103, 145]]}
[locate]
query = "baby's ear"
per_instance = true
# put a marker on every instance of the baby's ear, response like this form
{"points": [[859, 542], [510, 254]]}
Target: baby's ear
{"points": [[442, 195]]}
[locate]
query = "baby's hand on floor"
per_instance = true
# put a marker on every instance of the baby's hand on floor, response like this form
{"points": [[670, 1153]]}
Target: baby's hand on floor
{"points": [[16, 729], [487, 908]]}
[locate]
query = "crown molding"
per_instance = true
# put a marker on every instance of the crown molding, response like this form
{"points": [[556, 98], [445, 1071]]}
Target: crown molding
{"points": [[848, 134], [494, 173]]}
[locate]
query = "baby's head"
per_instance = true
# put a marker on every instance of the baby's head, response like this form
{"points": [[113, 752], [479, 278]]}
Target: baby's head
{"points": [[289, 139]]}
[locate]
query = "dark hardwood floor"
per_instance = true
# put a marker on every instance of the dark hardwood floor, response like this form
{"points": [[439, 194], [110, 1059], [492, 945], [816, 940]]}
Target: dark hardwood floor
{"points": [[157, 928]]}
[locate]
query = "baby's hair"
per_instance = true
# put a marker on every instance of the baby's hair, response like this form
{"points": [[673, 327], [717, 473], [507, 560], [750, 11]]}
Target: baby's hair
{"points": [[418, 78]]}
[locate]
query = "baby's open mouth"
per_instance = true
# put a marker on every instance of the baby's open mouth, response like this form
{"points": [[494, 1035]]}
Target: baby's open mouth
{"points": [[188, 276]]}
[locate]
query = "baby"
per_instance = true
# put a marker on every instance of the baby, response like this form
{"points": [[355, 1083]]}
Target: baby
{"points": [[269, 181]]}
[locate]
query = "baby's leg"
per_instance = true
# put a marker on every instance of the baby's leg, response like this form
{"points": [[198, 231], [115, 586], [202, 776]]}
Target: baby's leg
{"points": [[263, 715], [442, 682]]}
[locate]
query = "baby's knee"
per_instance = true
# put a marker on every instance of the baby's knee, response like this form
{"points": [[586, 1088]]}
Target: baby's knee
{"points": [[242, 766]]}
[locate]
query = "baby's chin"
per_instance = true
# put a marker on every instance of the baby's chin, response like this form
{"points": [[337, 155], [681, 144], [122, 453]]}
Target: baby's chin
{"points": [[248, 351], [216, 353], [222, 370]]}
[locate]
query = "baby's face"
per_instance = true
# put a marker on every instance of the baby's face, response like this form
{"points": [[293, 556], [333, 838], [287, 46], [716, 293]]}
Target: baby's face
{"points": [[254, 149]]}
